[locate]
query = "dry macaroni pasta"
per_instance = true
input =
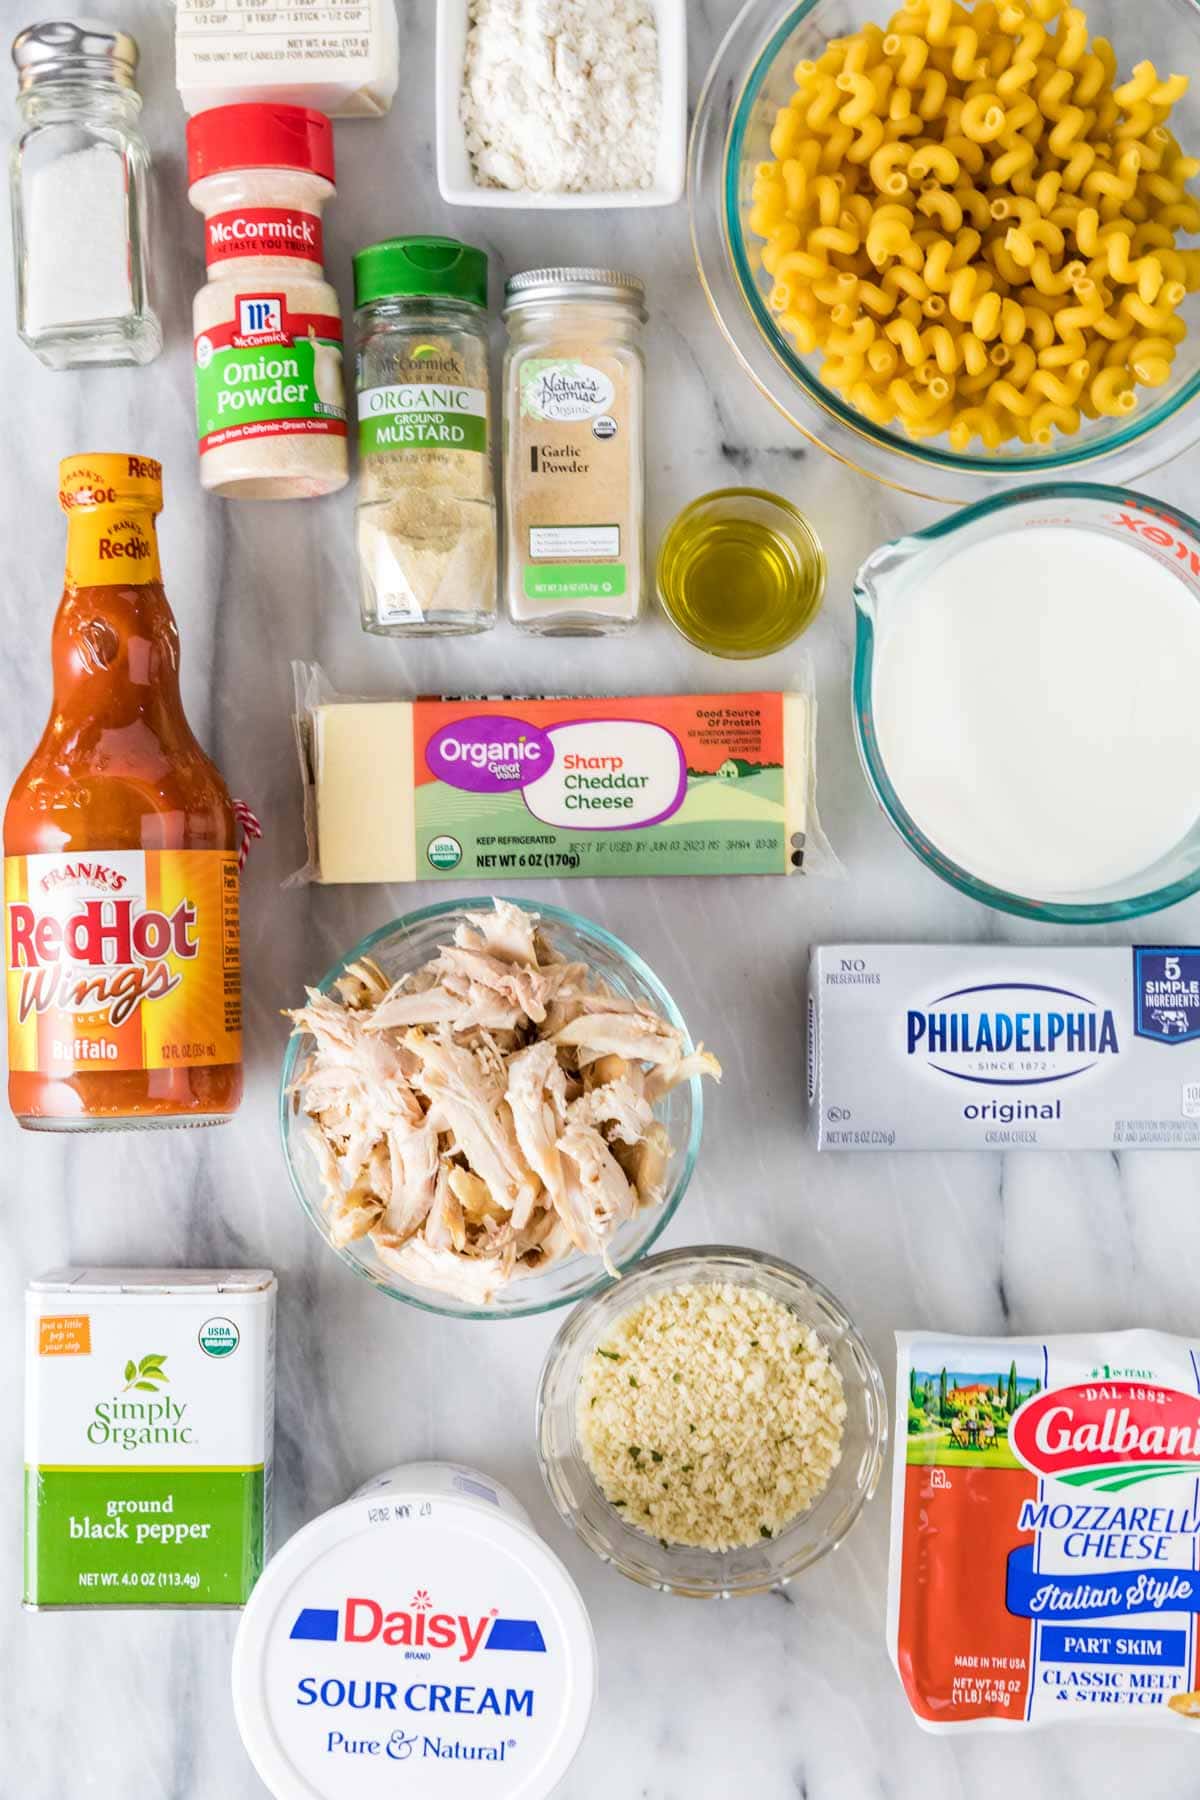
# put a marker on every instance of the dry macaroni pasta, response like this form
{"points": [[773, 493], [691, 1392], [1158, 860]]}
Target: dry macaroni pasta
{"points": [[976, 221]]}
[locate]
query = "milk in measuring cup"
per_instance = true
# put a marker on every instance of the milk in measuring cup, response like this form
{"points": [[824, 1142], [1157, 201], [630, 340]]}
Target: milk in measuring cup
{"points": [[1036, 695]]}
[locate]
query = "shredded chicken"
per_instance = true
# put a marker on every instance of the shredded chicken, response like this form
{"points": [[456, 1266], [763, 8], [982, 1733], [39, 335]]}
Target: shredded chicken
{"points": [[491, 1113]]}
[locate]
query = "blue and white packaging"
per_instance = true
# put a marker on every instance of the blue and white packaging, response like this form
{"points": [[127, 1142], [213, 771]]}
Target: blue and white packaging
{"points": [[997, 1047]]}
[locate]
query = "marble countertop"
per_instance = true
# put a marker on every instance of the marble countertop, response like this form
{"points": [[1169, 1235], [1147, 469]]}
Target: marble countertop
{"points": [[782, 1697]]}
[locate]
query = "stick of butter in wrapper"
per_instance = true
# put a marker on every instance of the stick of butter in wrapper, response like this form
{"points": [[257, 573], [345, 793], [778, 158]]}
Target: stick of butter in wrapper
{"points": [[1045, 1524], [995, 1047], [686, 784], [294, 55]]}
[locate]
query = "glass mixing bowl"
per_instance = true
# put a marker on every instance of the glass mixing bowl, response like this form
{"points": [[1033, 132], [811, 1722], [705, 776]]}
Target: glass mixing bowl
{"points": [[400, 949], [892, 575], [681, 1568], [750, 78]]}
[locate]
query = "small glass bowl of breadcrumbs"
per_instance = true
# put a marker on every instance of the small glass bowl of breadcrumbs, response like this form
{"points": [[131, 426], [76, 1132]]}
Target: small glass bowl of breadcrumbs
{"points": [[712, 1423]]}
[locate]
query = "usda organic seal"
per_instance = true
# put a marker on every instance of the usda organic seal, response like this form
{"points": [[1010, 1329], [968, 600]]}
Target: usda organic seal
{"points": [[445, 853], [420, 1639], [218, 1337]]}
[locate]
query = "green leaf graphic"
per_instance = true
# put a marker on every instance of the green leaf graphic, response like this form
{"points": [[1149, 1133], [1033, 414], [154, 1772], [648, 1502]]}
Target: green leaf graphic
{"points": [[146, 1374]]}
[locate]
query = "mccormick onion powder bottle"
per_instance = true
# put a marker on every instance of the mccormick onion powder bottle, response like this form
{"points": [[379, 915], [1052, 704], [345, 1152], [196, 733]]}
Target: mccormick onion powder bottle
{"points": [[270, 397]]}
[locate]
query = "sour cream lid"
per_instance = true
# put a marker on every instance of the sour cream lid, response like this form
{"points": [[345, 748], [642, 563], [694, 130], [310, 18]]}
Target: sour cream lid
{"points": [[417, 1638]]}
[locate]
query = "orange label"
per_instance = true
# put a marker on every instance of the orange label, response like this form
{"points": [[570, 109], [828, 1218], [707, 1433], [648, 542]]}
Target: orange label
{"points": [[67, 1334], [962, 1655], [112, 547], [122, 959]]}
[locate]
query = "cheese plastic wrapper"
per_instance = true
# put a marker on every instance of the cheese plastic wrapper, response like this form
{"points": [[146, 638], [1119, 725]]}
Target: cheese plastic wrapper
{"points": [[1045, 1523], [677, 784]]}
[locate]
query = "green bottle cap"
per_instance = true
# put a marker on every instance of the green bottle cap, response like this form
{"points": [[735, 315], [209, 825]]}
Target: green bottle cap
{"points": [[420, 265]]}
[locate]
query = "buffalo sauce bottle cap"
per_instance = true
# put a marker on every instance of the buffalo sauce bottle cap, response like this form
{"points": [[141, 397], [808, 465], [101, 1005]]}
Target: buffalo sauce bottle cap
{"points": [[120, 840], [111, 502]]}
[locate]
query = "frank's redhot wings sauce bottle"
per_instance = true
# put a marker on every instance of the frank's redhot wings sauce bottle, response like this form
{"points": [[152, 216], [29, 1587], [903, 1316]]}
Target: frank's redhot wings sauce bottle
{"points": [[120, 850]]}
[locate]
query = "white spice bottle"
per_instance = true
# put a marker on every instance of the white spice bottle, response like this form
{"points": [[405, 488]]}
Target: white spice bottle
{"points": [[270, 393], [574, 459], [80, 198]]}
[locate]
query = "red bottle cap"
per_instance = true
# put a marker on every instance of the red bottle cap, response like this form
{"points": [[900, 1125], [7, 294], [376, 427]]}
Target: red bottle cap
{"points": [[257, 136]]}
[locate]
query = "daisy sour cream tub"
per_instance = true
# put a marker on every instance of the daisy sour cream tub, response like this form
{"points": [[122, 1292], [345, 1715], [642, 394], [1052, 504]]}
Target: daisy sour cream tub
{"points": [[420, 1638]]}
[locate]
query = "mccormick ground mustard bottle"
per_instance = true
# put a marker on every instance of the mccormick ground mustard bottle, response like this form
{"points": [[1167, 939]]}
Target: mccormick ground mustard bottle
{"points": [[120, 850], [426, 516]]}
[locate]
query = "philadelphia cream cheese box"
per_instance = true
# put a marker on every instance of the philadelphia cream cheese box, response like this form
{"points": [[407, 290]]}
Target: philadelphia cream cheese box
{"points": [[149, 1402], [995, 1047]]}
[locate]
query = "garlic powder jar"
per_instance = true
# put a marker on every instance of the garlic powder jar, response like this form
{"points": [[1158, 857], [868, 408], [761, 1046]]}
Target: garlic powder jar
{"points": [[270, 394], [574, 461], [420, 1639]]}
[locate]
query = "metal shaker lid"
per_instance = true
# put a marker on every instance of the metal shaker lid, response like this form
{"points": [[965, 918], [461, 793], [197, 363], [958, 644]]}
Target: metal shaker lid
{"points": [[74, 49], [573, 284]]}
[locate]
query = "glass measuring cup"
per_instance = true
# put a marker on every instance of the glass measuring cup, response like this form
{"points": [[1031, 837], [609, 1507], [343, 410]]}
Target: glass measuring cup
{"points": [[1155, 528]]}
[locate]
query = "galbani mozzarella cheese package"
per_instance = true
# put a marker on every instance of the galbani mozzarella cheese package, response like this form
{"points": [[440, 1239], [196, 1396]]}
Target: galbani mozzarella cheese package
{"points": [[1045, 1522]]}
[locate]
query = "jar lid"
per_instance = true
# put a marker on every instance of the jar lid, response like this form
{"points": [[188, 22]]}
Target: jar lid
{"points": [[56, 49], [258, 135], [418, 266], [574, 284], [106, 478]]}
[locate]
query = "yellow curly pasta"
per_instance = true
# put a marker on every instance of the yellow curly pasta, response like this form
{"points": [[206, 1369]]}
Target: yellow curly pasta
{"points": [[976, 221]]}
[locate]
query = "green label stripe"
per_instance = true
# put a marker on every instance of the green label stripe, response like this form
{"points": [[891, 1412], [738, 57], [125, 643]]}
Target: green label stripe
{"points": [[142, 1537], [573, 581], [729, 826], [1111, 1480], [243, 387], [421, 415], [426, 429]]}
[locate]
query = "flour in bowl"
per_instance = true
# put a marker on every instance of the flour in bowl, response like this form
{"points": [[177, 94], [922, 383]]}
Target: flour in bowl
{"points": [[562, 96]]}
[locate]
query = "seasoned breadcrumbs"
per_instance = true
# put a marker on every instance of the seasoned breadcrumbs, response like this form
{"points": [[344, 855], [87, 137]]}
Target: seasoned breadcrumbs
{"points": [[711, 1415]]}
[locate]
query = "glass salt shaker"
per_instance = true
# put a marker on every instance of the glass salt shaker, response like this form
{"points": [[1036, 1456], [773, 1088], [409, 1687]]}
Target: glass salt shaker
{"points": [[80, 177]]}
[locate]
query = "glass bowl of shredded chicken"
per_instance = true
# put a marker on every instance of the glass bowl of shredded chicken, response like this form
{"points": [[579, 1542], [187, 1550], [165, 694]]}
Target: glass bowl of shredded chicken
{"points": [[489, 1109]]}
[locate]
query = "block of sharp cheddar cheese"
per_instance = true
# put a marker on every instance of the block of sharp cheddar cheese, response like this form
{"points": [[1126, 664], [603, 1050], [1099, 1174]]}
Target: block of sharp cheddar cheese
{"points": [[695, 784]]}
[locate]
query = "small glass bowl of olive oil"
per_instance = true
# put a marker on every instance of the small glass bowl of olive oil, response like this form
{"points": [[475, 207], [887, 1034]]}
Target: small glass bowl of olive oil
{"points": [[741, 573]]}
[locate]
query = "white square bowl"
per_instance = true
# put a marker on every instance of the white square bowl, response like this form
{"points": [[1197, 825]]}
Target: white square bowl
{"points": [[456, 178]]}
